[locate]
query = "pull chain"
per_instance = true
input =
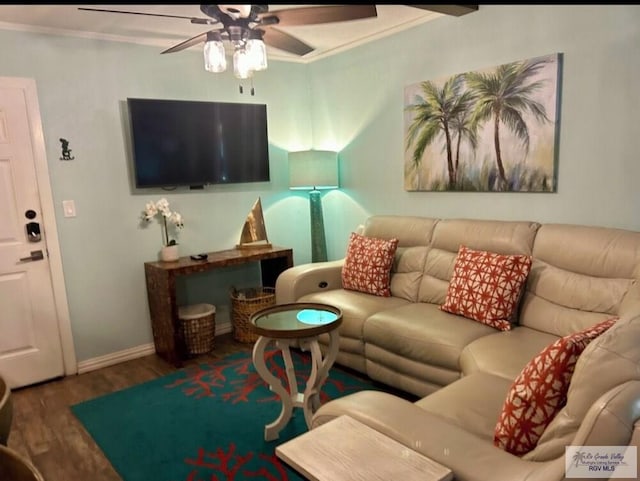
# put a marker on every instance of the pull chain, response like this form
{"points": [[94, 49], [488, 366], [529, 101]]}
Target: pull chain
{"points": [[253, 90]]}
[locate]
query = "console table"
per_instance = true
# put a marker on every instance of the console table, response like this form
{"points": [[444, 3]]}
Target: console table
{"points": [[161, 289]]}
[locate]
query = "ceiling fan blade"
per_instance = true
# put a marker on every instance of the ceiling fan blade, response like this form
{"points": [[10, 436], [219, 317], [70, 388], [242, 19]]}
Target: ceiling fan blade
{"points": [[284, 41], [455, 10], [316, 15], [187, 43], [201, 21]]}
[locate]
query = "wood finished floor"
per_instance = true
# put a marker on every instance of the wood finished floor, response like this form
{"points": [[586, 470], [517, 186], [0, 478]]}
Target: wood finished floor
{"points": [[45, 431]]}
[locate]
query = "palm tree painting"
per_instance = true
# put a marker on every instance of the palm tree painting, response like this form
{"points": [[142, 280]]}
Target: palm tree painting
{"points": [[493, 130]]}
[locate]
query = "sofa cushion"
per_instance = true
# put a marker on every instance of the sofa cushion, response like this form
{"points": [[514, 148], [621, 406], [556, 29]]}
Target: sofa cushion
{"points": [[504, 237], [409, 230], [540, 391], [404, 374], [589, 250], [367, 265], [422, 332], [438, 269], [487, 286], [473, 402], [504, 353], [580, 275], [406, 272]]}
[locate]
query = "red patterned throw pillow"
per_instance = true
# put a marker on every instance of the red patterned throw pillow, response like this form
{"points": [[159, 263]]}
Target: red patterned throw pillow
{"points": [[367, 265], [486, 286], [540, 391]]}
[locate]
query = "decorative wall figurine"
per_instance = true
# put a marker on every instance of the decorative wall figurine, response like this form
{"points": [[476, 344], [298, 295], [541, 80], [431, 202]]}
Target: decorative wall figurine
{"points": [[66, 151]]}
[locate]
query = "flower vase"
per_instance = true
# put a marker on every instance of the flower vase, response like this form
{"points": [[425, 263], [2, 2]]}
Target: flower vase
{"points": [[169, 253]]}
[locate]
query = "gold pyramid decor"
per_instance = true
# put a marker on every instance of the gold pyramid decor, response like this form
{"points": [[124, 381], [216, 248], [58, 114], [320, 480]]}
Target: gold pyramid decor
{"points": [[254, 232]]}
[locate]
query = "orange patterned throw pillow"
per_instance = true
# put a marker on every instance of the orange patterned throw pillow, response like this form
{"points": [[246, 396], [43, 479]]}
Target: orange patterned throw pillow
{"points": [[486, 286], [367, 265], [540, 391]]}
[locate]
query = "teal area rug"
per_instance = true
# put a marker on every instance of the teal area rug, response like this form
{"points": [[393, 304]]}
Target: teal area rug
{"points": [[204, 423]]}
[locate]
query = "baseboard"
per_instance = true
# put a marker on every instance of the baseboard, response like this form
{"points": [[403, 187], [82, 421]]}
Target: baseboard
{"points": [[223, 327], [132, 353], [115, 358]]}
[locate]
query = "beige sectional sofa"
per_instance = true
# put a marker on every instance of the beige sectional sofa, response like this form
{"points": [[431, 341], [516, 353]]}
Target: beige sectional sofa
{"points": [[460, 369]]}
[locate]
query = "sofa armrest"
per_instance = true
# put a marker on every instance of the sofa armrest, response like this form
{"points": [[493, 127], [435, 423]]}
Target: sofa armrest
{"points": [[297, 281], [613, 420], [470, 457]]}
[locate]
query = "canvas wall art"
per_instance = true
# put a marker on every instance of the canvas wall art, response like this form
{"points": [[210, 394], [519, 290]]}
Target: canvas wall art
{"points": [[491, 130]]}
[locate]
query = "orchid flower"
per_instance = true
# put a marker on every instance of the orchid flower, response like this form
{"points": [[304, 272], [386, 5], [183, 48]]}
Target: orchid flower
{"points": [[161, 208]]}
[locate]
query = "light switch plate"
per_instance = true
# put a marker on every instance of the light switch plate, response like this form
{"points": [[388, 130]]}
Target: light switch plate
{"points": [[69, 207]]}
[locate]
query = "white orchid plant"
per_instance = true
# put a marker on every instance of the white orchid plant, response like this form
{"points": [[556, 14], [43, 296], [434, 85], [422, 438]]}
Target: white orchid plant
{"points": [[166, 217]]}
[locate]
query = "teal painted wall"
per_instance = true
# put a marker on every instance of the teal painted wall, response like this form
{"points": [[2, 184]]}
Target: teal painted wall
{"points": [[351, 102], [82, 89], [358, 101]]}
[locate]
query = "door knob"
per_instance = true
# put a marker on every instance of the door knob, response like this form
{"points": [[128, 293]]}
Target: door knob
{"points": [[35, 256]]}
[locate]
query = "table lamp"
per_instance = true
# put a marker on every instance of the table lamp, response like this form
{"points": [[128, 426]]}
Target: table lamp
{"points": [[314, 170]]}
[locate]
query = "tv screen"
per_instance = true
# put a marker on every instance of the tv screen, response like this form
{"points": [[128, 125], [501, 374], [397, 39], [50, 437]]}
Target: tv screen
{"points": [[195, 143]]}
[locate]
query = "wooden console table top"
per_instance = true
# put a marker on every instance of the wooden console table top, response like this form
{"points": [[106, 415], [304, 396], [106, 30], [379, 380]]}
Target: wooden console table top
{"points": [[161, 288], [347, 450], [217, 259]]}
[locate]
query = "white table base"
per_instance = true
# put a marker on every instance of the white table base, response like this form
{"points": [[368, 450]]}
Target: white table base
{"points": [[309, 400]]}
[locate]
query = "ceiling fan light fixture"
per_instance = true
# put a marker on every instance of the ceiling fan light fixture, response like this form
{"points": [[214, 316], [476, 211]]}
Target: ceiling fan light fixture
{"points": [[256, 50], [242, 67], [236, 35], [215, 59]]}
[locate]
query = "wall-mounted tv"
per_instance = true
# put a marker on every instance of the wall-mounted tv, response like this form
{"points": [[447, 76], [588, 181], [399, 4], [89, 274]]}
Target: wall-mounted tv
{"points": [[196, 143]]}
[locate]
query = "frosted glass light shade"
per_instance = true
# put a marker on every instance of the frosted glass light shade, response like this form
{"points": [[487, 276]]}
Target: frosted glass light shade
{"points": [[257, 53], [241, 64], [313, 169], [215, 59]]}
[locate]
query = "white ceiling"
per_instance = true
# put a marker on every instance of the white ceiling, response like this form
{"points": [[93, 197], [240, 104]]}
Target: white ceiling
{"points": [[162, 32]]}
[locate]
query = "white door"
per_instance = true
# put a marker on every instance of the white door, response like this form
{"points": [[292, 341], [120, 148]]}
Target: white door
{"points": [[30, 337]]}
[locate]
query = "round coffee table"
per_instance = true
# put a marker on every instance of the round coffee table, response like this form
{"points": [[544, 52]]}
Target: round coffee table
{"points": [[299, 325]]}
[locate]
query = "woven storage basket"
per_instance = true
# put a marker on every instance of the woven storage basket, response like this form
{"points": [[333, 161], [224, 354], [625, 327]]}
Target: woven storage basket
{"points": [[198, 327], [244, 302]]}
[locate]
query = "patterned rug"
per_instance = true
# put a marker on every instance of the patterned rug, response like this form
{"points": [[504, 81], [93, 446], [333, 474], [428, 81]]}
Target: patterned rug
{"points": [[203, 423]]}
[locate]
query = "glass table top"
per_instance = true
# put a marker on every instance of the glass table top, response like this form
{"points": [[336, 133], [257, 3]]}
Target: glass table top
{"points": [[296, 320]]}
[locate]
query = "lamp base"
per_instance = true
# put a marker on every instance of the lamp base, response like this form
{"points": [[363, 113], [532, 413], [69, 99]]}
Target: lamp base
{"points": [[318, 241]]}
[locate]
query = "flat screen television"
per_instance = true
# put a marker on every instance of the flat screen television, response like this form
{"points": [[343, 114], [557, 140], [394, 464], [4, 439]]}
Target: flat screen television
{"points": [[196, 143]]}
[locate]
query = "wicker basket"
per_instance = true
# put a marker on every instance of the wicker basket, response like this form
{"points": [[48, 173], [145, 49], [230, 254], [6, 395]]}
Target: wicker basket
{"points": [[244, 302], [198, 327]]}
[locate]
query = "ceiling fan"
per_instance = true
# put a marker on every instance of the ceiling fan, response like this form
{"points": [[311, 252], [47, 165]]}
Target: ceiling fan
{"points": [[249, 27], [237, 22]]}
